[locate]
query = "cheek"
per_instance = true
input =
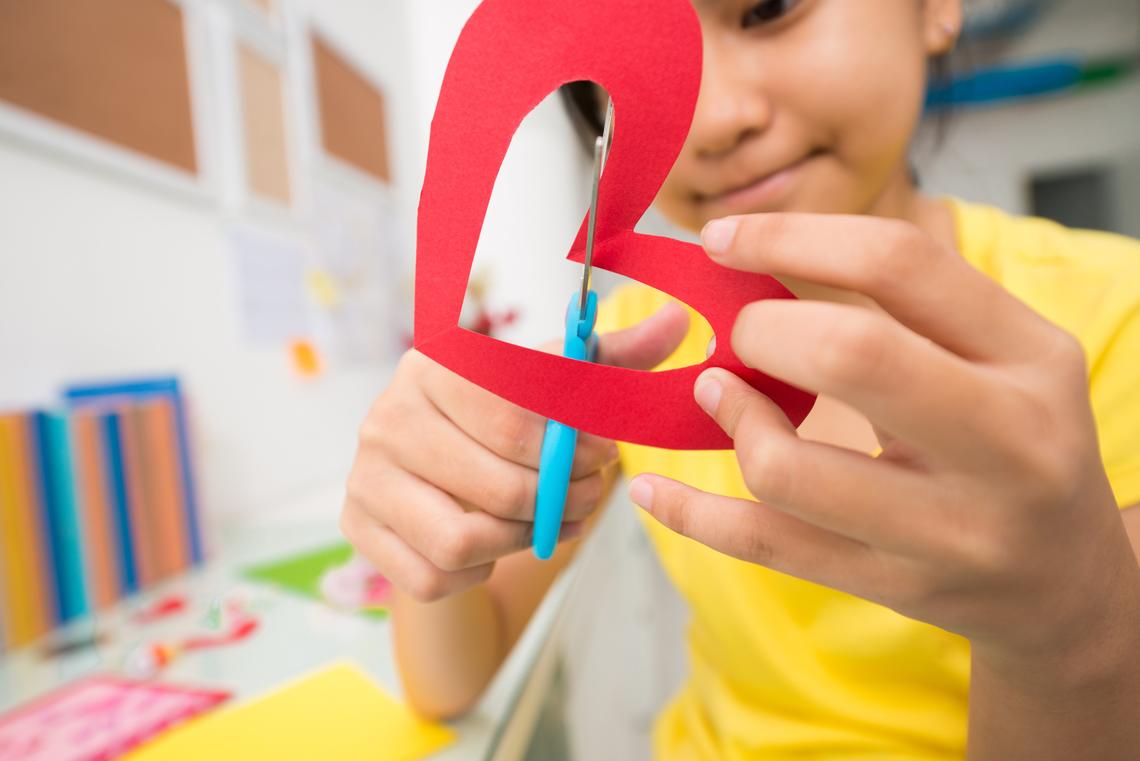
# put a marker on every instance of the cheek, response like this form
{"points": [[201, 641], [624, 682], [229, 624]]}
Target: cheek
{"points": [[865, 88], [675, 199]]}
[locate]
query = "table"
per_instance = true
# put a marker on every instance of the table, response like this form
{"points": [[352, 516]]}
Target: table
{"points": [[296, 636]]}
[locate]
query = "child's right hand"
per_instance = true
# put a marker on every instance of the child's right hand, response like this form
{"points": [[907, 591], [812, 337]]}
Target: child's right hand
{"points": [[444, 479]]}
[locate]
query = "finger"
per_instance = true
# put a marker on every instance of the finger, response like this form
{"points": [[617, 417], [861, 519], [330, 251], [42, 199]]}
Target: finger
{"points": [[647, 344], [758, 533], [508, 430], [405, 567], [924, 285], [846, 492], [437, 527], [445, 456], [903, 383]]}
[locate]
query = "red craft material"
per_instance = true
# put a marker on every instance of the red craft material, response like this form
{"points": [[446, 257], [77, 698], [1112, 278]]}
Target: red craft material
{"points": [[510, 56]]}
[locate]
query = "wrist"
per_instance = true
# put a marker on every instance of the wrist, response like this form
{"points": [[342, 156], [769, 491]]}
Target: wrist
{"points": [[1089, 643]]}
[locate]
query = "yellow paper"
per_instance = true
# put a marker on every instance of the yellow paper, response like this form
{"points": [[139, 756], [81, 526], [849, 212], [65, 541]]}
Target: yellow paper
{"points": [[337, 714]]}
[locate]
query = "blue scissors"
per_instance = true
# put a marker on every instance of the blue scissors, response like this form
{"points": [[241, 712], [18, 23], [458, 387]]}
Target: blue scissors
{"points": [[559, 441]]}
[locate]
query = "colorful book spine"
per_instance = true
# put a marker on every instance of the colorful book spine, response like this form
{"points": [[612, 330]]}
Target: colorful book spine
{"points": [[168, 388], [29, 594], [143, 534], [117, 478], [103, 556], [164, 492], [57, 490]]}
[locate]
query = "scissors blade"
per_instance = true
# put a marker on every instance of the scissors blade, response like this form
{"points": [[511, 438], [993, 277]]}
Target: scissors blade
{"points": [[601, 153]]}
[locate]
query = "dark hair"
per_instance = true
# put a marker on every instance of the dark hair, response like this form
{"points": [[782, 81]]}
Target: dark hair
{"points": [[584, 105]]}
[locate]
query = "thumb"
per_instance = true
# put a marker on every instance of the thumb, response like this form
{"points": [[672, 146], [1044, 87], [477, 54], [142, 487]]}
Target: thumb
{"points": [[648, 343]]}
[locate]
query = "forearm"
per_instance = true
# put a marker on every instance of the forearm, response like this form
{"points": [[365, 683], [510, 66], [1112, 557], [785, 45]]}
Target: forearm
{"points": [[448, 650], [1081, 705]]}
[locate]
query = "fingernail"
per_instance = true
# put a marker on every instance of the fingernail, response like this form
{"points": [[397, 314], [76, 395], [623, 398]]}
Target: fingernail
{"points": [[707, 393], [718, 234], [641, 492]]}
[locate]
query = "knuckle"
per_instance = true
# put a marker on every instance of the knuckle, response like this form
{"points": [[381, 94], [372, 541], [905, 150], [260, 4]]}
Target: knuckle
{"points": [[511, 431], [848, 348], [349, 525], [427, 585], [764, 465], [584, 496], [388, 416], [758, 547], [674, 509], [912, 591], [897, 259], [453, 548], [356, 491], [1067, 354], [508, 496]]}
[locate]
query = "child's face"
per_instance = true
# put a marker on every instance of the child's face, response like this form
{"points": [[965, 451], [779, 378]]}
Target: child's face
{"points": [[805, 105]]}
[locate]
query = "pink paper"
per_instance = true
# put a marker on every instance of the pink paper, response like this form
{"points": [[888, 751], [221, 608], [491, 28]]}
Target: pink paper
{"points": [[98, 719], [510, 56]]}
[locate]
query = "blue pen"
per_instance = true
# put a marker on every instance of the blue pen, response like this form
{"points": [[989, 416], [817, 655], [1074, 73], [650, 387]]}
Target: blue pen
{"points": [[559, 441]]}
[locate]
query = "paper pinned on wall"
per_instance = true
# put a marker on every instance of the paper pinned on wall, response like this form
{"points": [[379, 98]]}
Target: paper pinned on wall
{"points": [[352, 282], [271, 282]]}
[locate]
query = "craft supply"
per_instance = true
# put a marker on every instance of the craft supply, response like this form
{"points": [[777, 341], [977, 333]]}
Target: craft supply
{"points": [[355, 586], [302, 574], [161, 608], [647, 55], [98, 718], [559, 441], [337, 713], [149, 658]]}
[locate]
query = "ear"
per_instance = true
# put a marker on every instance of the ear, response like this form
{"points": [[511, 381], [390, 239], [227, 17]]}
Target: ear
{"points": [[941, 25]]}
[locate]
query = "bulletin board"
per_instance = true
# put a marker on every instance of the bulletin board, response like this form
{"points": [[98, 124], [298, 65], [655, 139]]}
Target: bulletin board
{"points": [[115, 69], [351, 112], [263, 107]]}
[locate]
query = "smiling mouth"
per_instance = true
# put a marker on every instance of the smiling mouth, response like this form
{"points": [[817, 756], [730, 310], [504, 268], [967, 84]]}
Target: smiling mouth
{"points": [[758, 189]]}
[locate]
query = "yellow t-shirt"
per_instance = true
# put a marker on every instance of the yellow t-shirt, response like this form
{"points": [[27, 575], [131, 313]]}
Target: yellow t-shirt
{"points": [[782, 668]]}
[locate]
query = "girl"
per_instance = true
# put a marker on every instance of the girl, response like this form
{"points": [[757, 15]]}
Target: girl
{"points": [[936, 553]]}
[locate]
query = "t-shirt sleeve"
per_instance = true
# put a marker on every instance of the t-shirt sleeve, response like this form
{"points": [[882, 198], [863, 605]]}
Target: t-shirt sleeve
{"points": [[1115, 391]]}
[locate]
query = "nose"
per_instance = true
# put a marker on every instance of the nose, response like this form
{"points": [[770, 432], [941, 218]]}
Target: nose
{"points": [[732, 107]]}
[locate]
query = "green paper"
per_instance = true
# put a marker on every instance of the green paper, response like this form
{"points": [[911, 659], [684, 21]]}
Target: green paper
{"points": [[301, 574]]}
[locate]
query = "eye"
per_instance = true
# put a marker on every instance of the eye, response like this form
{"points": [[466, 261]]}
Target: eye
{"points": [[768, 11]]}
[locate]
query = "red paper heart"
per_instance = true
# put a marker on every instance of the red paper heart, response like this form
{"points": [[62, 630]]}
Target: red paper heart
{"points": [[509, 57]]}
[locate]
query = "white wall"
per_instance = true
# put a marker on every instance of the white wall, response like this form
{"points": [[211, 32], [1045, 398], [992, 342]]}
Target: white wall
{"points": [[103, 274], [991, 153]]}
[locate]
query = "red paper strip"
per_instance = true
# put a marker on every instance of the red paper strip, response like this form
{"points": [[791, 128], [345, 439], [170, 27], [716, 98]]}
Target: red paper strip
{"points": [[509, 57]]}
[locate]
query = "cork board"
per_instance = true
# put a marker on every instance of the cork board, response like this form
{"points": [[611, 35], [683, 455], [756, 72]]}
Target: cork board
{"points": [[115, 69], [351, 113], [263, 117]]}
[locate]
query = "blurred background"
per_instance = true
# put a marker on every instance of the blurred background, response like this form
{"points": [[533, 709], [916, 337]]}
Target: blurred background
{"points": [[207, 240]]}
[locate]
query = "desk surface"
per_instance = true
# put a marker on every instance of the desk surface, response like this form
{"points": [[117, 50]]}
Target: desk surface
{"points": [[296, 636]]}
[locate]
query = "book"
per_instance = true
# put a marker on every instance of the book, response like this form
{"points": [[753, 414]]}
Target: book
{"points": [[103, 556], [143, 534], [148, 388], [111, 430], [29, 595], [57, 492], [162, 484]]}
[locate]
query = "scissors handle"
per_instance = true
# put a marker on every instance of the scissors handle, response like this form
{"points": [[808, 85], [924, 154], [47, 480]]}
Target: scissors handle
{"points": [[559, 441]]}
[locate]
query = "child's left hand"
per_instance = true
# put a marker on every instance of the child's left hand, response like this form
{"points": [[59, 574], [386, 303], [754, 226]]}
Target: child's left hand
{"points": [[988, 512]]}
